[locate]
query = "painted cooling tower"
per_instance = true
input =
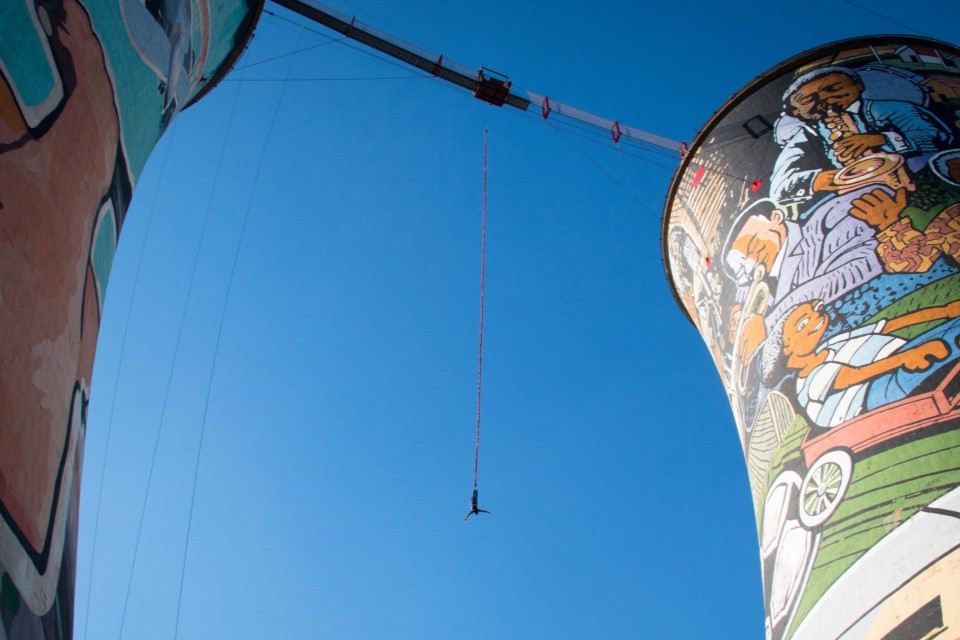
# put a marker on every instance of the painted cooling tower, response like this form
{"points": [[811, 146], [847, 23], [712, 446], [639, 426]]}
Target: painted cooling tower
{"points": [[86, 89], [812, 235]]}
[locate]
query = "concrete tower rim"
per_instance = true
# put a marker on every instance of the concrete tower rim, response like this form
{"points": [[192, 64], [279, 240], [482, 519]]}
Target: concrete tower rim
{"points": [[737, 98], [256, 10]]}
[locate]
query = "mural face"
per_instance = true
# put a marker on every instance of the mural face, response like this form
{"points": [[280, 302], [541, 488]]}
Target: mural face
{"points": [[813, 237], [74, 133]]}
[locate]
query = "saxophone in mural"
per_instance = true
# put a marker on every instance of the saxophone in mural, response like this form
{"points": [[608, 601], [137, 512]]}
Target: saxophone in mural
{"points": [[86, 90], [812, 235]]}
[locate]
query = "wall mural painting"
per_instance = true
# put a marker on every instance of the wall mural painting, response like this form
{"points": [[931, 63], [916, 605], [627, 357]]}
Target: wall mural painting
{"points": [[813, 237], [86, 90]]}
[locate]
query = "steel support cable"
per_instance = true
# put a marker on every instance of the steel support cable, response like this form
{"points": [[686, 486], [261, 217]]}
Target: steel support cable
{"points": [[176, 353], [287, 55], [300, 27], [344, 41], [595, 137], [642, 176], [355, 79], [116, 379], [603, 169], [887, 18], [216, 354]]}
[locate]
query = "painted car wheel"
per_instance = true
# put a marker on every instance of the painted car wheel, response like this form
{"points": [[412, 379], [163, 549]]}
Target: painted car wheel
{"points": [[823, 487]]}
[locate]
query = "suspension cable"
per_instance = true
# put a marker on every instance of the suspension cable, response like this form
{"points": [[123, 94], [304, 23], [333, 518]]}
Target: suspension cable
{"points": [[483, 264]]}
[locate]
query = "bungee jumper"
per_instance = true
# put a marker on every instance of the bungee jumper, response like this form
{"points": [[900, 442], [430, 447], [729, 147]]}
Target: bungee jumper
{"points": [[475, 507]]}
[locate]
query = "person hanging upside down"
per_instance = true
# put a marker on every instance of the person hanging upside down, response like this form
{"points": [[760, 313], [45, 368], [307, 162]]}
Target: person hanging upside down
{"points": [[475, 506]]}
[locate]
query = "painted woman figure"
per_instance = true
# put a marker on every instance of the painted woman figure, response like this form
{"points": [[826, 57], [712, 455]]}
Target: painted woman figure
{"points": [[862, 369]]}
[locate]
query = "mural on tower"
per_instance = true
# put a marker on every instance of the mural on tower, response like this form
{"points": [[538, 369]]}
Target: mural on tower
{"points": [[812, 235], [86, 89]]}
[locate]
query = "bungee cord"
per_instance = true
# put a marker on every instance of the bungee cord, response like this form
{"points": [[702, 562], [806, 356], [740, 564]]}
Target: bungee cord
{"points": [[474, 500]]}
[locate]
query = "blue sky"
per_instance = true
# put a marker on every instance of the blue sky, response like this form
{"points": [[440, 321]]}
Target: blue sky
{"points": [[297, 285]]}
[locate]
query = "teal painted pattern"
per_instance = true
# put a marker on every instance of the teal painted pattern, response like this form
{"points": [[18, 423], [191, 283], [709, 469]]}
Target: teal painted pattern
{"points": [[25, 59]]}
